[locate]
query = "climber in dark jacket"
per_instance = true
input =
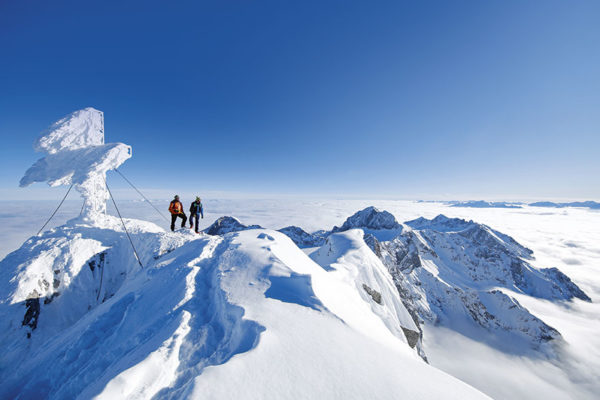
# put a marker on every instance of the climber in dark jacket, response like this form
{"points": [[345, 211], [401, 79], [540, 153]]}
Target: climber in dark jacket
{"points": [[196, 210]]}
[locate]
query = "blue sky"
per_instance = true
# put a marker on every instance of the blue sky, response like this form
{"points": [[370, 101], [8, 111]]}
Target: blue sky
{"points": [[448, 99]]}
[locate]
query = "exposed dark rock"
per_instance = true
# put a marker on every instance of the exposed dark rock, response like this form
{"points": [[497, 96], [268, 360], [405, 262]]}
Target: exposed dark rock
{"points": [[49, 299], [32, 313], [375, 295], [97, 261], [411, 336]]}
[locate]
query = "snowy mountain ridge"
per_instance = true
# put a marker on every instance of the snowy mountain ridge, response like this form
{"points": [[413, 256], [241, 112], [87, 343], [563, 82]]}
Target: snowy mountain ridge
{"points": [[460, 274], [204, 307]]}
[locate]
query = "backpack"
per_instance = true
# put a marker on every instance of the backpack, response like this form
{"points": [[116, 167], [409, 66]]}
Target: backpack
{"points": [[175, 207], [196, 208]]}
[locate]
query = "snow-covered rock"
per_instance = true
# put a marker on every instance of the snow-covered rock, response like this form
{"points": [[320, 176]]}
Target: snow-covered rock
{"points": [[440, 223], [452, 272], [204, 309], [62, 274], [77, 154], [225, 225], [381, 223], [302, 238]]}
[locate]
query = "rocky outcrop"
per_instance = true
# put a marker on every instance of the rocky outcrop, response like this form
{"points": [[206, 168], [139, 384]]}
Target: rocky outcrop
{"points": [[371, 219], [302, 238], [225, 225], [375, 295]]}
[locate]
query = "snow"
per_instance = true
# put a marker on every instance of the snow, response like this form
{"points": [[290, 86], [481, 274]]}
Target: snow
{"points": [[80, 129], [346, 256]]}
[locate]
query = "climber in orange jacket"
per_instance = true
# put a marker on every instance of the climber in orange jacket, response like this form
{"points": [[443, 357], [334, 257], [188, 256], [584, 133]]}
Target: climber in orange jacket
{"points": [[176, 210]]}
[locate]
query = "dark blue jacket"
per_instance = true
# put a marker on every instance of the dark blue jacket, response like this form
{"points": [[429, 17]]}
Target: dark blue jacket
{"points": [[196, 208]]}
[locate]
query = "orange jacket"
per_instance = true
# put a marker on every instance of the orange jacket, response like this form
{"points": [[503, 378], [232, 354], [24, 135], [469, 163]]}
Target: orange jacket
{"points": [[176, 207]]}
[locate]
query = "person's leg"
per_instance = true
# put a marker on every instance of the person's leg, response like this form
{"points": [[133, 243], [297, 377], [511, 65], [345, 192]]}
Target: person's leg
{"points": [[196, 218], [183, 219], [173, 218]]}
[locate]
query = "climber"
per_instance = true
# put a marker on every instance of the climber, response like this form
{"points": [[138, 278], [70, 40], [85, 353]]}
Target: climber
{"points": [[176, 210], [196, 210]]}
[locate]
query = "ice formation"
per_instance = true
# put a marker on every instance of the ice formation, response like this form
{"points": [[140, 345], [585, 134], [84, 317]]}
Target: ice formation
{"points": [[77, 154]]}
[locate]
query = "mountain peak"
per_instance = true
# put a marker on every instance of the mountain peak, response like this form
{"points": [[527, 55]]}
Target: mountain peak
{"points": [[227, 224], [370, 218], [441, 223]]}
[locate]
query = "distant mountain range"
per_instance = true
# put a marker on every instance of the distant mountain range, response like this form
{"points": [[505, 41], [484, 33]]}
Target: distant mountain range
{"points": [[503, 204], [584, 204]]}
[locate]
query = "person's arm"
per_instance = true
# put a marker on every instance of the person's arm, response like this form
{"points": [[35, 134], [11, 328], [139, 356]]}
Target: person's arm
{"points": [[201, 210]]}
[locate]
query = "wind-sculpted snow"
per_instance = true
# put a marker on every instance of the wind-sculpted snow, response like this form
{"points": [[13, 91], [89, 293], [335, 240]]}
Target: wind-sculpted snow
{"points": [[225, 225], [77, 154], [249, 305], [78, 130]]}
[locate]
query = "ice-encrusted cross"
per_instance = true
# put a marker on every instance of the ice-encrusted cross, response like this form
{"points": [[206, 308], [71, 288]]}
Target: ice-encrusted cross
{"points": [[77, 154]]}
